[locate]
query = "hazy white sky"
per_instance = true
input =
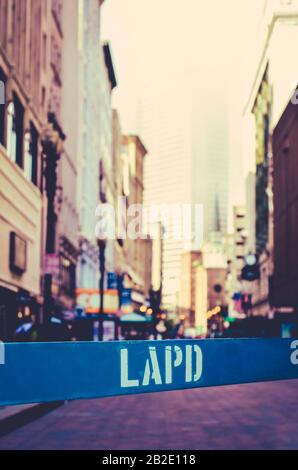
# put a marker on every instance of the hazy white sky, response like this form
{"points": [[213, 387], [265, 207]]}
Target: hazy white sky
{"points": [[156, 43]]}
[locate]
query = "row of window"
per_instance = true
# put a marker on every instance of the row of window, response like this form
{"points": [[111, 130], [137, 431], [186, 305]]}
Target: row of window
{"points": [[21, 144]]}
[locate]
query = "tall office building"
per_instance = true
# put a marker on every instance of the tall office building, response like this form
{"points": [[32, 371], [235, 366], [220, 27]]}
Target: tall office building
{"points": [[167, 134], [210, 150], [186, 132]]}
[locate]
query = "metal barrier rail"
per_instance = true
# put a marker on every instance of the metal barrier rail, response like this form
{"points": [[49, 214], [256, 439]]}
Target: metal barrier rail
{"points": [[41, 372]]}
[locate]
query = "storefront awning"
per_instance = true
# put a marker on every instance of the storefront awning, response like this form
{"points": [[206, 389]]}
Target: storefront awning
{"points": [[134, 318]]}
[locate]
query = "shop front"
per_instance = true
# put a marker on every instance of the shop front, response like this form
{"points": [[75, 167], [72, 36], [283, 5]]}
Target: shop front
{"points": [[20, 241]]}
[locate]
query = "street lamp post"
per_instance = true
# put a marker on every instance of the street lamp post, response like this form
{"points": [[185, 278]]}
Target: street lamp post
{"points": [[102, 247], [52, 149]]}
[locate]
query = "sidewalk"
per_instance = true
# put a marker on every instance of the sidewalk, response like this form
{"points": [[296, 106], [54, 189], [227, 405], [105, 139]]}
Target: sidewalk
{"points": [[260, 415], [15, 416]]}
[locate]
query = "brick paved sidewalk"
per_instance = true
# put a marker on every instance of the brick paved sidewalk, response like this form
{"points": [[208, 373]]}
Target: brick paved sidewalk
{"points": [[252, 416]]}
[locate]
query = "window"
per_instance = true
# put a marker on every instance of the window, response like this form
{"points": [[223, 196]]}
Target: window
{"points": [[2, 105], [31, 154], [43, 96], [2, 92], [11, 132], [57, 12], [44, 51], [34, 153], [15, 115], [17, 253], [56, 59], [27, 156], [19, 131]]}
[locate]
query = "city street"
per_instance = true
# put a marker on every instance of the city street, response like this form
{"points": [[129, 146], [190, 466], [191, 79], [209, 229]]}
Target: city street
{"points": [[251, 416], [148, 226]]}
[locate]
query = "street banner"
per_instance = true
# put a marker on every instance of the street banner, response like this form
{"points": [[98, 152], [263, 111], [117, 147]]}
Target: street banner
{"points": [[42, 372]]}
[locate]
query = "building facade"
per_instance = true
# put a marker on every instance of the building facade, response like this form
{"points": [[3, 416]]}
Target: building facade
{"points": [[95, 84], [271, 90], [214, 261], [187, 294], [284, 295], [137, 245], [68, 219], [236, 249], [89, 86], [106, 186], [61, 244], [118, 187], [31, 134]]}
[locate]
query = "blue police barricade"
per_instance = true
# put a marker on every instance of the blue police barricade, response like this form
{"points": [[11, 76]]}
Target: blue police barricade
{"points": [[41, 372]]}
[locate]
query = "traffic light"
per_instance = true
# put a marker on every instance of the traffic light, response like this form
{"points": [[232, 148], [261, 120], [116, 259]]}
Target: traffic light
{"points": [[224, 311], [155, 300], [246, 302], [251, 270]]}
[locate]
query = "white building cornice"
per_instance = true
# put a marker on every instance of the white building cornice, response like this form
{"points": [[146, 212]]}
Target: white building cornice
{"points": [[277, 16]]}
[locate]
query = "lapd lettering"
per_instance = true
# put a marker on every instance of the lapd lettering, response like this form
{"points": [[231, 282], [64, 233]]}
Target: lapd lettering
{"points": [[294, 355], [188, 357]]}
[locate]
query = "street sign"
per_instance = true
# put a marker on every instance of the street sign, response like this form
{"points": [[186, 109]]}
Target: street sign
{"points": [[41, 372], [126, 301], [51, 264], [112, 280]]}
